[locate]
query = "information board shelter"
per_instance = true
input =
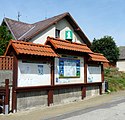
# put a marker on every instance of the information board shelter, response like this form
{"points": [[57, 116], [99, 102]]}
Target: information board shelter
{"points": [[32, 68], [77, 65], [56, 72]]}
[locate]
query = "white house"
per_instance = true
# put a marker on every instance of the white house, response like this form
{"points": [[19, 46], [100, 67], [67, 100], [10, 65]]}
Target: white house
{"points": [[62, 26], [121, 60]]}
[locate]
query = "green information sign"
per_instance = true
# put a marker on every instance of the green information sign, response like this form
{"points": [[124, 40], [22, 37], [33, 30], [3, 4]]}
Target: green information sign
{"points": [[68, 35]]}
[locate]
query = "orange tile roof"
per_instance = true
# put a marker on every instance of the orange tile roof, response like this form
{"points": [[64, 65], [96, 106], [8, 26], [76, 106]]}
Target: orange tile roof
{"points": [[98, 57], [67, 45], [30, 48]]}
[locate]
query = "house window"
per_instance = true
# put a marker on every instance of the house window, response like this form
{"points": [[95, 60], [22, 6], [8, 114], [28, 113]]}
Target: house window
{"points": [[57, 33]]}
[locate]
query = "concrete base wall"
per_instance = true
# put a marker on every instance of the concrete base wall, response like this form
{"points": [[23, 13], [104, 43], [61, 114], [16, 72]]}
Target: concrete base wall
{"points": [[5, 74], [92, 91], [66, 95], [28, 100]]}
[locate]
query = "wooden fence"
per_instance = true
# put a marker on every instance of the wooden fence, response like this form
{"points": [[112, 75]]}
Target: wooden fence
{"points": [[6, 63]]}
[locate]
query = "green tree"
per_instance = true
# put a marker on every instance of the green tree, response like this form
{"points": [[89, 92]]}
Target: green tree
{"points": [[107, 47], [5, 36]]}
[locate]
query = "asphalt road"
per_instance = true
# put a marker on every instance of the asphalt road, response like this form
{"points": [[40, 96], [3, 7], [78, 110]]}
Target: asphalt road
{"points": [[113, 110]]}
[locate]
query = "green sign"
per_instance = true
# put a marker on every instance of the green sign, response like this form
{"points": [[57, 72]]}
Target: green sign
{"points": [[68, 35]]}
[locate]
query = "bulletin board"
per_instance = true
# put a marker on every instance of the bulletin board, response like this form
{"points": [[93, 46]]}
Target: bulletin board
{"points": [[69, 68], [94, 74], [33, 74]]}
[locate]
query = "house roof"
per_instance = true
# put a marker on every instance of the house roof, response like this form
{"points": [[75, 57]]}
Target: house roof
{"points": [[122, 53], [25, 31], [97, 57], [67, 45], [18, 28], [28, 48]]}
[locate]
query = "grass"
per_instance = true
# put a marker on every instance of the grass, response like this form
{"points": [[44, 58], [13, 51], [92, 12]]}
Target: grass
{"points": [[115, 78]]}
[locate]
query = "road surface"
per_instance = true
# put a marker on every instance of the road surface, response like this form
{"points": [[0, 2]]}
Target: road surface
{"points": [[113, 110]]}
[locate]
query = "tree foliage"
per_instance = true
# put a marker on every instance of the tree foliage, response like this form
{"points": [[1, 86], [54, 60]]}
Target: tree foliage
{"points": [[5, 36], [107, 47]]}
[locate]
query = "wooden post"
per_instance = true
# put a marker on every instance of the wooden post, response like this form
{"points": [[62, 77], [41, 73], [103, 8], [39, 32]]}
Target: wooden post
{"points": [[102, 72], [15, 74], [85, 70], [50, 91], [6, 106], [50, 97], [83, 92], [100, 89], [52, 72]]}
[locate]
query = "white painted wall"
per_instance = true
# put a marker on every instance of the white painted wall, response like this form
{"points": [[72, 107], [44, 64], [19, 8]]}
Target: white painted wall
{"points": [[121, 65], [42, 37], [63, 26], [69, 80], [94, 74], [33, 74]]}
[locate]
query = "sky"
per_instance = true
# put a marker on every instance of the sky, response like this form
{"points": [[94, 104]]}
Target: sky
{"points": [[96, 18]]}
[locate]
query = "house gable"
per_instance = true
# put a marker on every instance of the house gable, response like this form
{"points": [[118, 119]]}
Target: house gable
{"points": [[29, 32], [63, 25]]}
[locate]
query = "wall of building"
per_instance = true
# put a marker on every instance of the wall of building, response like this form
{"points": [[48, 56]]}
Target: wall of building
{"points": [[67, 95], [6, 74], [92, 91], [42, 37], [28, 100], [121, 65], [63, 25]]}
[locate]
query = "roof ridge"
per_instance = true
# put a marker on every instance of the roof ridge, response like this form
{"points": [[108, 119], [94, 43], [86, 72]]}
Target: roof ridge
{"points": [[97, 54], [66, 41], [58, 39], [50, 21], [67, 45], [29, 48], [29, 43], [63, 14]]}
